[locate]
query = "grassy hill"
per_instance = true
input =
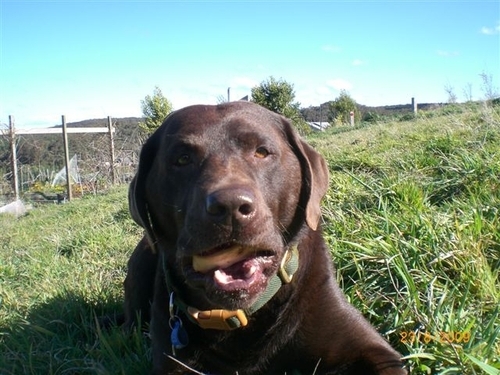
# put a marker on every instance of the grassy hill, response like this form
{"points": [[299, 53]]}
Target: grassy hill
{"points": [[412, 218]]}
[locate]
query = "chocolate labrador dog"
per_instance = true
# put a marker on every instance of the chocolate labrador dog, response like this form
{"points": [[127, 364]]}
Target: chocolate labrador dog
{"points": [[233, 272]]}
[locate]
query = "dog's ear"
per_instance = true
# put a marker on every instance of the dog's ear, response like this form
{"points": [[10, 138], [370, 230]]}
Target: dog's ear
{"points": [[137, 191], [314, 174]]}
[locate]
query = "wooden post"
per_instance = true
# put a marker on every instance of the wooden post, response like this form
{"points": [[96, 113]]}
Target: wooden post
{"points": [[13, 153], [111, 150], [66, 158], [414, 105]]}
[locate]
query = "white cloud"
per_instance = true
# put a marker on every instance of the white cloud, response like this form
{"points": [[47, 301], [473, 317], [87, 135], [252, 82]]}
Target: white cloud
{"points": [[444, 53], [357, 62], [313, 93], [243, 82], [331, 48], [490, 30], [339, 84], [322, 91]]}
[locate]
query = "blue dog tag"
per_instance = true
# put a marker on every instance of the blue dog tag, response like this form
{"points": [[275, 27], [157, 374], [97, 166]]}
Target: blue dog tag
{"points": [[178, 337]]}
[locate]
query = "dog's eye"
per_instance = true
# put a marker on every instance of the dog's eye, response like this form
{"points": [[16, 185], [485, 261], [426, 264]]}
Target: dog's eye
{"points": [[261, 152], [182, 160]]}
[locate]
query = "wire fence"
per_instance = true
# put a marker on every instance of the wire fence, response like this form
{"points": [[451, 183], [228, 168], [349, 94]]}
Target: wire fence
{"points": [[40, 161]]}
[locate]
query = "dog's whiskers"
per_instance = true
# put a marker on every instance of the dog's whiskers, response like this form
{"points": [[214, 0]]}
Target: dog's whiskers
{"points": [[185, 366]]}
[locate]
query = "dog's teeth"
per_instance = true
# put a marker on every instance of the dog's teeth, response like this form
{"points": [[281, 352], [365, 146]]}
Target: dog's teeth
{"points": [[221, 277], [250, 272]]}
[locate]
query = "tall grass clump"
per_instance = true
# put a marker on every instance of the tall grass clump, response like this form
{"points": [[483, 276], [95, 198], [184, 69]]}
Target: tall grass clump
{"points": [[412, 216], [61, 267], [412, 219]]}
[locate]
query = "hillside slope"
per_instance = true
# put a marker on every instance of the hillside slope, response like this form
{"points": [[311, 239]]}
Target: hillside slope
{"points": [[413, 219], [411, 216]]}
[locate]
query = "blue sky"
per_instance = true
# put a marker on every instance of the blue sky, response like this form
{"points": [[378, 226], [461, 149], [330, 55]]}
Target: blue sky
{"points": [[92, 59]]}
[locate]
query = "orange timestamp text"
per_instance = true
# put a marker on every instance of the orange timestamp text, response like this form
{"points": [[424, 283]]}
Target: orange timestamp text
{"points": [[442, 337]]}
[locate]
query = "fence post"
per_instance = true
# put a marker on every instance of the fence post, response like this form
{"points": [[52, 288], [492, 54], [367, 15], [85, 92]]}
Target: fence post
{"points": [[13, 152], [414, 105], [66, 158], [111, 150]]}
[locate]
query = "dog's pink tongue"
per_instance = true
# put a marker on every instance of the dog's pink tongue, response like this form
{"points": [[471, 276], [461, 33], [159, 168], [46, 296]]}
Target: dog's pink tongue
{"points": [[232, 274], [238, 276]]}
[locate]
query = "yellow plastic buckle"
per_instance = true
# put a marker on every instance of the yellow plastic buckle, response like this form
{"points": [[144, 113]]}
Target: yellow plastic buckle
{"points": [[218, 319], [283, 272]]}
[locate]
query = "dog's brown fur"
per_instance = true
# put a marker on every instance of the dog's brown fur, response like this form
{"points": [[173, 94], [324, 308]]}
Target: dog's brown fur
{"points": [[238, 173]]}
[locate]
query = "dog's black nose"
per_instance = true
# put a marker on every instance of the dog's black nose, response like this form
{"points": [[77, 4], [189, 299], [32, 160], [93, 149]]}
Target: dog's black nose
{"points": [[235, 204]]}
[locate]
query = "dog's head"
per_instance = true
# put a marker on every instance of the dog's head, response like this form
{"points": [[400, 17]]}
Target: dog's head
{"points": [[223, 191]]}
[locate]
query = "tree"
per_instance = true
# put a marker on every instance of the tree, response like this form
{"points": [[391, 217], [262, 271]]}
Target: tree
{"points": [[468, 92], [155, 109], [221, 99], [450, 91], [340, 109], [489, 90], [278, 96]]}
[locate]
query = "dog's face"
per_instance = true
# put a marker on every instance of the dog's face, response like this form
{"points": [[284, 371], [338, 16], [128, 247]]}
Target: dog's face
{"points": [[222, 191]]}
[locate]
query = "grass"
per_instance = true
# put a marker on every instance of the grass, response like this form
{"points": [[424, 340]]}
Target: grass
{"points": [[412, 218], [62, 266]]}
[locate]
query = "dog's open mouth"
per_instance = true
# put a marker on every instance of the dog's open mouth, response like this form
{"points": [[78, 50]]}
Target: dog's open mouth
{"points": [[234, 267]]}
